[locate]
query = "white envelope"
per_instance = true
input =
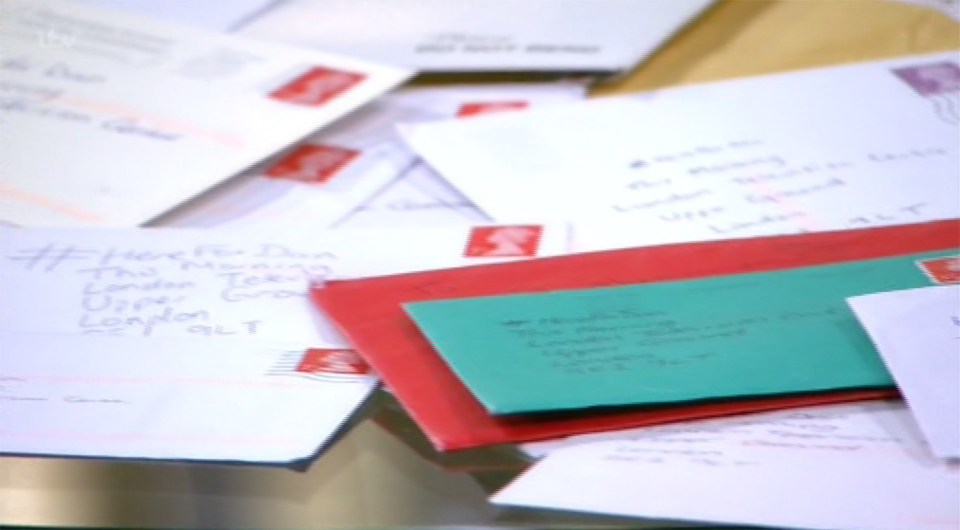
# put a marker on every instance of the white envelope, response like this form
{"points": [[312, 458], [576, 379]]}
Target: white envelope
{"points": [[855, 466], [852, 146], [917, 333], [219, 283], [439, 35], [119, 118], [352, 173], [174, 399]]}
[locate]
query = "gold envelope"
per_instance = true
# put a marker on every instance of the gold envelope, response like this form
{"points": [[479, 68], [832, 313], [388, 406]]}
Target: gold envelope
{"points": [[738, 38]]}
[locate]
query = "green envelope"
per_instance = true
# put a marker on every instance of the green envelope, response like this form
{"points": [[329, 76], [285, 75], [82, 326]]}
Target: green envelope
{"points": [[756, 334]]}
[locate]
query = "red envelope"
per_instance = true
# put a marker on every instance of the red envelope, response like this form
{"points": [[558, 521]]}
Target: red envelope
{"points": [[368, 312]]}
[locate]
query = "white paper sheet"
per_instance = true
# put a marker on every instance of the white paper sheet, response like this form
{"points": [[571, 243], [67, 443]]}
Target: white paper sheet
{"points": [[853, 146], [439, 35], [219, 15], [119, 117], [854, 466], [917, 332], [331, 178], [167, 282], [179, 399]]}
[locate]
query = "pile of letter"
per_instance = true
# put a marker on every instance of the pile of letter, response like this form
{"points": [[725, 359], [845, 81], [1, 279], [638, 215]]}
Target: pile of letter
{"points": [[746, 287]]}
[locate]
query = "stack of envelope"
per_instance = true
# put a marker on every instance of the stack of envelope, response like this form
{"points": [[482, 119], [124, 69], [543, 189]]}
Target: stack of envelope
{"points": [[734, 302]]}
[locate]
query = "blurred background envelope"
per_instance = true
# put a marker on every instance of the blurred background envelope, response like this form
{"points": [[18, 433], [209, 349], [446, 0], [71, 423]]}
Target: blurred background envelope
{"points": [[439, 35]]}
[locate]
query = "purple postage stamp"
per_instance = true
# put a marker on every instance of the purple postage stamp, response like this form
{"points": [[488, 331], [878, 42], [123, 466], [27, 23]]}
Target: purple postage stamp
{"points": [[931, 79]]}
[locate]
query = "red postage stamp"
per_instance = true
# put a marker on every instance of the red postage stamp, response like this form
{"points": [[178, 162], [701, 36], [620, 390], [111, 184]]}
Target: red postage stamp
{"points": [[312, 163], [504, 241], [941, 270], [320, 361], [316, 86], [474, 109]]}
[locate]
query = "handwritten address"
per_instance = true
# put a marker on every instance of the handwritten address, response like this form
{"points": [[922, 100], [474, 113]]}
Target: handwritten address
{"points": [[735, 443], [748, 186], [621, 340], [201, 289]]}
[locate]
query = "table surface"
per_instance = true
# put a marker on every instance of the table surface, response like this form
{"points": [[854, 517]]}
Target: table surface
{"points": [[382, 473]]}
